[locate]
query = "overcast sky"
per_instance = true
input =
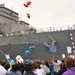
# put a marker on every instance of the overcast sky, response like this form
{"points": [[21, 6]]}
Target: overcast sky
{"points": [[44, 13]]}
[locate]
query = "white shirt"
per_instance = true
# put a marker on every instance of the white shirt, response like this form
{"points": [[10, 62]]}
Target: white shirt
{"points": [[43, 72], [56, 69], [37, 71], [44, 68], [2, 70]]}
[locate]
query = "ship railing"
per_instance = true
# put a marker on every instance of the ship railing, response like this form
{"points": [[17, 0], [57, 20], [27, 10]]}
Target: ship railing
{"points": [[53, 29]]}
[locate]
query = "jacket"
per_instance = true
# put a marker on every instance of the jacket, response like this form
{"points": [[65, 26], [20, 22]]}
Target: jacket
{"points": [[70, 71], [13, 73], [29, 73], [61, 71]]}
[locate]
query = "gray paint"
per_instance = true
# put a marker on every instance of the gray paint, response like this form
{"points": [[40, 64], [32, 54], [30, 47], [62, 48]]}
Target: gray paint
{"points": [[19, 44]]}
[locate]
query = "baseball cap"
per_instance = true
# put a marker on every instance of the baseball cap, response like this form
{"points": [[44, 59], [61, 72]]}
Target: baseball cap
{"points": [[28, 62]]}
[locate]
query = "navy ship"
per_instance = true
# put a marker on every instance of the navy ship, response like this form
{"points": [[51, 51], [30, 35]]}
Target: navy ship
{"points": [[17, 45], [15, 38]]}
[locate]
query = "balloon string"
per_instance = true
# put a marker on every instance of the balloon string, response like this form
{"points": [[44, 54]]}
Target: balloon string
{"points": [[2, 52]]}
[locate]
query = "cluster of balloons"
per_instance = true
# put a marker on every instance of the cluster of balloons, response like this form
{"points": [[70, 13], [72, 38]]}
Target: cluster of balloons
{"points": [[27, 5], [27, 52]]}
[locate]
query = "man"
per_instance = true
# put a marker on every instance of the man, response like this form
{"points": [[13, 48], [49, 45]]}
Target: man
{"points": [[29, 67], [14, 70]]}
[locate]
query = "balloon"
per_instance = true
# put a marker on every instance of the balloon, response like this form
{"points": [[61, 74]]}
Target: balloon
{"points": [[12, 61], [28, 15], [31, 47], [25, 5], [27, 52], [28, 3]]}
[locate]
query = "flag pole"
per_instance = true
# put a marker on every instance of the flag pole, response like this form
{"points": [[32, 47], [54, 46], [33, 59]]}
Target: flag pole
{"points": [[2, 52]]}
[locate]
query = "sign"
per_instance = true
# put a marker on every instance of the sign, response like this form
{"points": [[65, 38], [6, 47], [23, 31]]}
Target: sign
{"points": [[7, 56], [69, 50], [19, 59], [53, 48], [63, 55]]}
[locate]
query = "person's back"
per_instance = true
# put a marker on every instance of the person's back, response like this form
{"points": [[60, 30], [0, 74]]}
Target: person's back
{"points": [[56, 66], [44, 67], [70, 71], [70, 66], [14, 73], [29, 73], [52, 68], [14, 70], [36, 70], [28, 63], [62, 70], [2, 70]]}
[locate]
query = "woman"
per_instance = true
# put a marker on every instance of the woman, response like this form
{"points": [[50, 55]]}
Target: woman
{"points": [[70, 66], [62, 70], [36, 70]]}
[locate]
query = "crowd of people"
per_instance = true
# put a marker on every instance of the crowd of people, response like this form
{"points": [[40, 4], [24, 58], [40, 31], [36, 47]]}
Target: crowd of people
{"points": [[38, 67]]}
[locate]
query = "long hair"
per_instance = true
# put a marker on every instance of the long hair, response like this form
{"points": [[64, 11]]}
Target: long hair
{"points": [[35, 66], [47, 64], [15, 67], [69, 62]]}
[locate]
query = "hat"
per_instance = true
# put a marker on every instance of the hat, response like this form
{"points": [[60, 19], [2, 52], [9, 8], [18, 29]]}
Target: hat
{"points": [[28, 62]]}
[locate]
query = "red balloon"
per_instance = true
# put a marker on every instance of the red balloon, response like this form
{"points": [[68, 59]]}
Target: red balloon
{"points": [[28, 15], [25, 5], [28, 3]]}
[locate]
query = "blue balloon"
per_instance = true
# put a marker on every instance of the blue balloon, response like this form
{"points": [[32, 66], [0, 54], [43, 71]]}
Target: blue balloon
{"points": [[27, 52], [12, 61], [31, 47]]}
